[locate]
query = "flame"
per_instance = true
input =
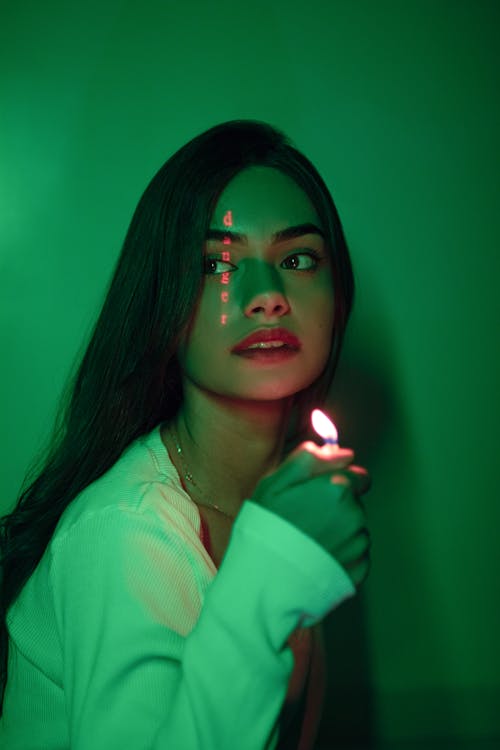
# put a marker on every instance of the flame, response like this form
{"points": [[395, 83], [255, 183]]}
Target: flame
{"points": [[324, 426]]}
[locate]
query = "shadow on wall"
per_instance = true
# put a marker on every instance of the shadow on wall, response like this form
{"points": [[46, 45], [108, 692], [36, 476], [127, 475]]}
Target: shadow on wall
{"points": [[348, 718], [363, 404]]}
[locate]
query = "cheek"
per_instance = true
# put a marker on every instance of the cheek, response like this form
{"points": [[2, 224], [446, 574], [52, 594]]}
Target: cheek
{"points": [[318, 311], [211, 307], [321, 316], [327, 324], [206, 336]]}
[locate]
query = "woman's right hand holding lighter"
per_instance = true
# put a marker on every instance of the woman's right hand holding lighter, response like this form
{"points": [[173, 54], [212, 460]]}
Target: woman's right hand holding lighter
{"points": [[317, 489]]}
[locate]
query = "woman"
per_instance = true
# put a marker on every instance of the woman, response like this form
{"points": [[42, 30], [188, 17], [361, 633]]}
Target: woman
{"points": [[166, 573]]}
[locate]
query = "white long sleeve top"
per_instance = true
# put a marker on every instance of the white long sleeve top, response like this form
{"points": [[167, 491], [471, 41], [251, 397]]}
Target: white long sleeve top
{"points": [[127, 636]]}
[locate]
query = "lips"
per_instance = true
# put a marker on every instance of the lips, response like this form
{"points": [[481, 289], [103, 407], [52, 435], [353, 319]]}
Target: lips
{"points": [[268, 336]]}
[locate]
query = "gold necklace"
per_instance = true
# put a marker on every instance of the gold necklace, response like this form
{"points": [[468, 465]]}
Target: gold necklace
{"points": [[189, 477]]}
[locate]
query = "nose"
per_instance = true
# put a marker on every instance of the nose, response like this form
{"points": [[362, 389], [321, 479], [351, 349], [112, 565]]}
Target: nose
{"points": [[262, 290], [270, 304]]}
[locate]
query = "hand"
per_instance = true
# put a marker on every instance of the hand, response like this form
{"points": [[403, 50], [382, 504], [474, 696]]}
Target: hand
{"points": [[317, 489]]}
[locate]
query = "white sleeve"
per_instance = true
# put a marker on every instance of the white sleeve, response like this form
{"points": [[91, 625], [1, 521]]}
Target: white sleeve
{"points": [[137, 676]]}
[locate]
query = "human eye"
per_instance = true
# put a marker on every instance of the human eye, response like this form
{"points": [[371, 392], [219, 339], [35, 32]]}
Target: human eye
{"points": [[210, 263], [314, 260]]}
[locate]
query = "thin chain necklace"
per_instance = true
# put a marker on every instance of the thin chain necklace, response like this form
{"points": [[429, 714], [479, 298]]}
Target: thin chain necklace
{"points": [[189, 477]]}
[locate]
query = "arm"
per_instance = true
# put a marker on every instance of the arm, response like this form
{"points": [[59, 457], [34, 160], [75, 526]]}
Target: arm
{"points": [[148, 664]]}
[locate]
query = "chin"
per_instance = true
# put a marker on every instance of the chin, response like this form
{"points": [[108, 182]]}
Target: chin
{"points": [[273, 391]]}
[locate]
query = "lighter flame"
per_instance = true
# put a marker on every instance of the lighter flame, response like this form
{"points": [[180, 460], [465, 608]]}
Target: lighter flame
{"points": [[324, 426]]}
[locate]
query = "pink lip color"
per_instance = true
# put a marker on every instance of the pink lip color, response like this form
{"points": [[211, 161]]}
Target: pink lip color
{"points": [[267, 335]]}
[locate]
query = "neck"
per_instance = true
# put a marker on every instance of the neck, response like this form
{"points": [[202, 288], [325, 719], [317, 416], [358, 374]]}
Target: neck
{"points": [[229, 444]]}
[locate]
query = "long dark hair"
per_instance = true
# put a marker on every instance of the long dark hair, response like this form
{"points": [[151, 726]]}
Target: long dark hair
{"points": [[129, 380]]}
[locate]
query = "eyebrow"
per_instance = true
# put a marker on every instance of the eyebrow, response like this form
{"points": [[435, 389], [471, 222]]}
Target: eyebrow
{"points": [[283, 234]]}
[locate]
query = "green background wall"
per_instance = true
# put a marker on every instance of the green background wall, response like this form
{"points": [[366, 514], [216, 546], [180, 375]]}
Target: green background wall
{"points": [[396, 103]]}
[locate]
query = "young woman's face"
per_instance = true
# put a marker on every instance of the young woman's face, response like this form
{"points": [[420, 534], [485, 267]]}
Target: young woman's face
{"points": [[260, 284]]}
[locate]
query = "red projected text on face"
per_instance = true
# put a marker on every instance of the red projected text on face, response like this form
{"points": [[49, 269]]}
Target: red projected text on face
{"points": [[226, 255]]}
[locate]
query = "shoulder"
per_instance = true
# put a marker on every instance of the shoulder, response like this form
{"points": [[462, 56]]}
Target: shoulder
{"points": [[141, 483], [127, 564]]}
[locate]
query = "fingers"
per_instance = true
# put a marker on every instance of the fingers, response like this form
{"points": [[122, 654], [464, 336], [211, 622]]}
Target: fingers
{"points": [[354, 556], [306, 461], [338, 457], [355, 548], [310, 460], [359, 573], [356, 477]]}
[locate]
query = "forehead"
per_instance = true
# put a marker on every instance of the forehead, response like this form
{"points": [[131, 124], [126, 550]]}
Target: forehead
{"points": [[260, 200]]}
